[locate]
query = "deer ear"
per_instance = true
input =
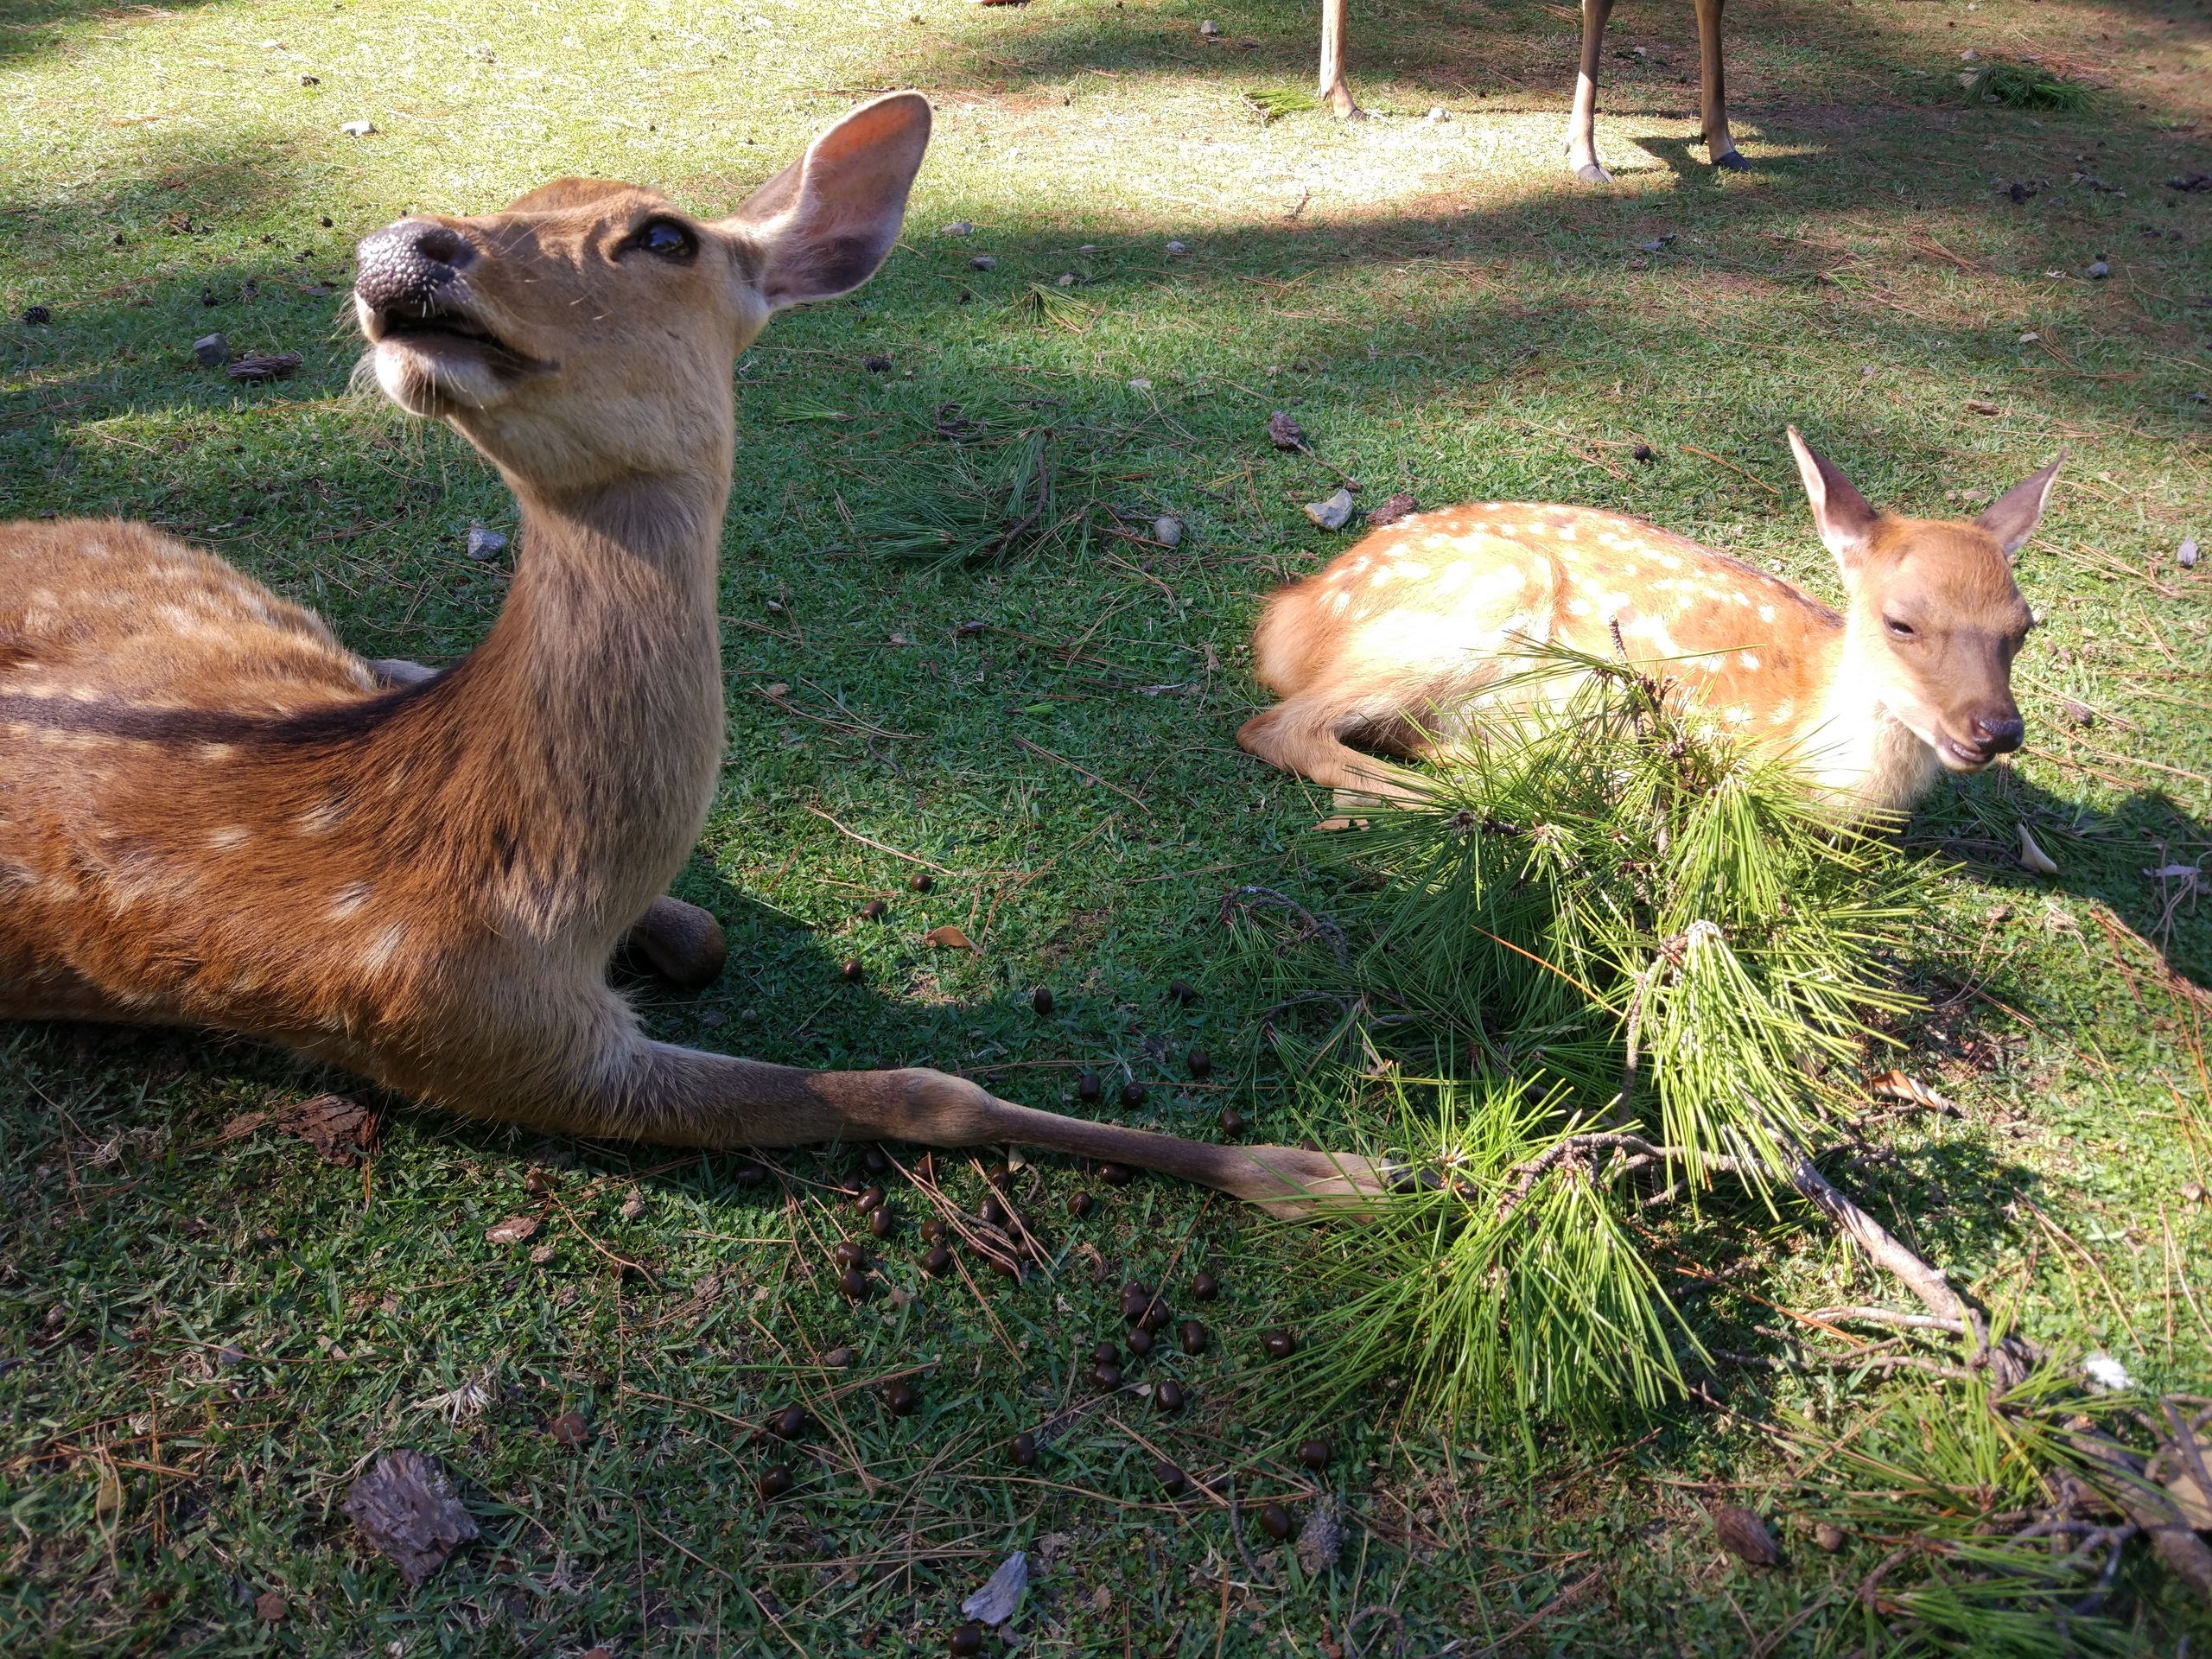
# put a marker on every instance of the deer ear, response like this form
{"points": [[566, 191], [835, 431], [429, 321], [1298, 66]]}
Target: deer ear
{"points": [[1839, 513], [821, 226], [2012, 517]]}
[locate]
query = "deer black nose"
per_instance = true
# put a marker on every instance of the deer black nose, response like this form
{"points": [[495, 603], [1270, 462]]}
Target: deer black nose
{"points": [[405, 265], [2000, 735]]}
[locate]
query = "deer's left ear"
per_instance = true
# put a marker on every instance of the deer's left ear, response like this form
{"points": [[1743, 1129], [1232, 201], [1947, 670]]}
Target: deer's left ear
{"points": [[2012, 517], [1839, 513], [821, 226]]}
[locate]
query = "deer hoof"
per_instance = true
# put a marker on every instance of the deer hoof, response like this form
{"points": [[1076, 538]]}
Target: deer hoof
{"points": [[1294, 1185], [1732, 160], [682, 942], [1590, 173]]}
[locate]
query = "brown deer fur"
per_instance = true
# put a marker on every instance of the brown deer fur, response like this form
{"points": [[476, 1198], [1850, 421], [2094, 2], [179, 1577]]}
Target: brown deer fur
{"points": [[211, 814], [1395, 644]]}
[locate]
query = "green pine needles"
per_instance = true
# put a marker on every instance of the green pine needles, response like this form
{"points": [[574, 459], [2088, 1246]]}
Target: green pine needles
{"points": [[1642, 954], [2027, 86]]}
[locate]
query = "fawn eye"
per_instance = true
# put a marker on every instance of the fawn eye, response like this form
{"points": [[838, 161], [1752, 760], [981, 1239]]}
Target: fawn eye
{"points": [[668, 239], [1898, 630]]}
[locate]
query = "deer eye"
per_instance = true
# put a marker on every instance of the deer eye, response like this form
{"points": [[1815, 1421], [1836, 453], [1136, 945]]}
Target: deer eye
{"points": [[1898, 630], [667, 239]]}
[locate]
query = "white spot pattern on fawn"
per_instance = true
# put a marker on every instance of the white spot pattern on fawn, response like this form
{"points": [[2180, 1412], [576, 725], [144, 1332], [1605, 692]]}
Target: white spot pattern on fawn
{"points": [[229, 835], [348, 900]]}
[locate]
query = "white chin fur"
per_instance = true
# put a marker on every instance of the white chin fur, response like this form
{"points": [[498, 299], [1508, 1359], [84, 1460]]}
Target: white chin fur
{"points": [[427, 385]]}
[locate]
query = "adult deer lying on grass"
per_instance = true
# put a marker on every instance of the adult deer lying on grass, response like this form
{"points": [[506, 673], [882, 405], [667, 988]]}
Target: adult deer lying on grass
{"points": [[212, 814], [1394, 643], [1582, 120]]}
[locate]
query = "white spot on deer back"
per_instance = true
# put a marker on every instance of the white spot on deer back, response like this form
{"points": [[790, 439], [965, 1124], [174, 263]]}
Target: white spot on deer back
{"points": [[1750, 659], [229, 835], [384, 948], [348, 900]]}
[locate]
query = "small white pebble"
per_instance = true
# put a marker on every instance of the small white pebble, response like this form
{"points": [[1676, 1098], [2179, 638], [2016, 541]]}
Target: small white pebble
{"points": [[1176, 250], [984, 261], [958, 227], [1209, 29], [1168, 529], [2030, 340], [1066, 279], [358, 129], [1139, 384], [2187, 553], [1439, 114], [2107, 1373], [2098, 272]]}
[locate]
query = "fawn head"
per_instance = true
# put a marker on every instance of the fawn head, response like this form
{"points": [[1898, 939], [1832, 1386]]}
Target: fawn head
{"points": [[586, 334], [1934, 616]]}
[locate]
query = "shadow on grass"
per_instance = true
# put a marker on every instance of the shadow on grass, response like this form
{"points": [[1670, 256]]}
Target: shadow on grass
{"points": [[2109, 854], [33, 28]]}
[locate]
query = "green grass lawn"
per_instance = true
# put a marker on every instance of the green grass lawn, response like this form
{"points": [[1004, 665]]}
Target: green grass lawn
{"points": [[206, 1331]]}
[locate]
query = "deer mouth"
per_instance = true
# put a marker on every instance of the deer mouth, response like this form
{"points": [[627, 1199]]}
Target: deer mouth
{"points": [[435, 356], [439, 328]]}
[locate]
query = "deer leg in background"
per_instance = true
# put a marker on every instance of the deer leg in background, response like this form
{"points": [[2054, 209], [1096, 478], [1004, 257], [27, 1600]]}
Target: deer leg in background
{"points": [[682, 942], [1582, 121], [1335, 91], [1720, 148]]}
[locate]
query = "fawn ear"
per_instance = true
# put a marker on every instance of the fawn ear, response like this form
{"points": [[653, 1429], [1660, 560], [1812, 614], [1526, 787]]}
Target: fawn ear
{"points": [[821, 226], [2012, 517], [1839, 513]]}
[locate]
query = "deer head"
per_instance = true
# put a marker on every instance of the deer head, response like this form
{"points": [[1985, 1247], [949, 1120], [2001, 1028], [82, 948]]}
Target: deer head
{"points": [[1935, 619], [585, 335]]}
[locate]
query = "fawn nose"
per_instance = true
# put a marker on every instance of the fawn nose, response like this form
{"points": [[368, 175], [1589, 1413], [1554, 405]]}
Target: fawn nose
{"points": [[2000, 735], [407, 263]]}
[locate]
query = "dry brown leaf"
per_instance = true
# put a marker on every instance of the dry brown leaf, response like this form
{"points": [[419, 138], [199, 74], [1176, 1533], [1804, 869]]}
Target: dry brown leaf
{"points": [[569, 1429], [949, 937], [512, 1230], [406, 1509], [241, 1126], [1900, 1086], [337, 1126], [1745, 1536]]}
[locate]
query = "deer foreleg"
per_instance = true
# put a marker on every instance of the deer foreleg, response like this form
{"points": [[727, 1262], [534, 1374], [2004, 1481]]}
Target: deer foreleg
{"points": [[1720, 148], [682, 1097], [1335, 91], [1582, 120]]}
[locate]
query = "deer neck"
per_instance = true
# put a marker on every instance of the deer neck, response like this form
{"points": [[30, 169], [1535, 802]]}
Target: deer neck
{"points": [[1858, 748], [595, 704]]}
